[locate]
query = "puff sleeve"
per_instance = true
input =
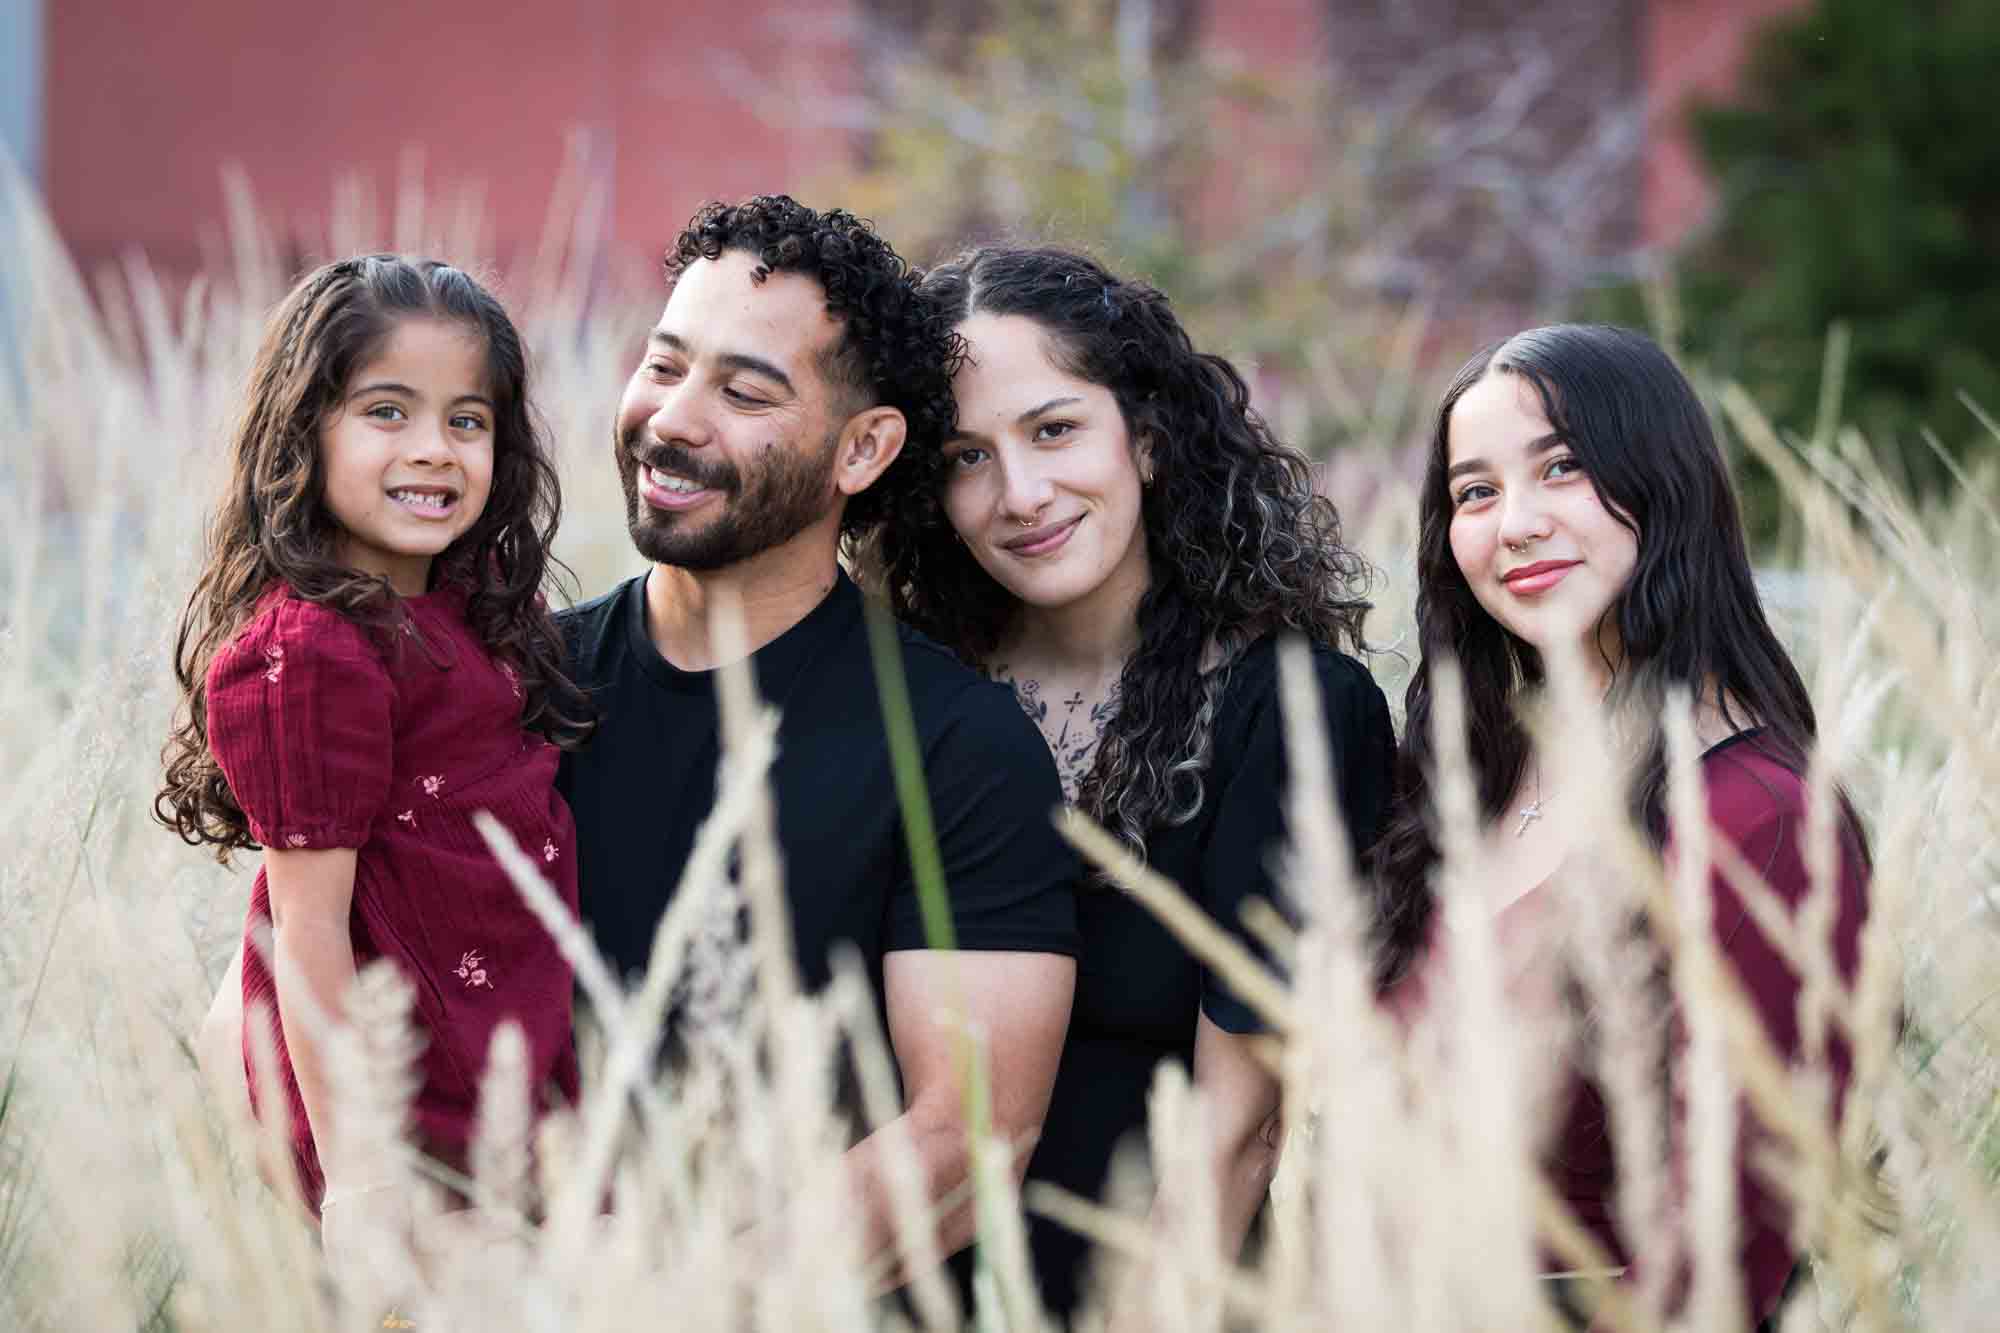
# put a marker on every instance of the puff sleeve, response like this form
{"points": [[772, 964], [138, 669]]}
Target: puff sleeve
{"points": [[299, 719]]}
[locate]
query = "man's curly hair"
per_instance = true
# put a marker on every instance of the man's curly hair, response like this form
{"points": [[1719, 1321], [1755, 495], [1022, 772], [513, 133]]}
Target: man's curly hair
{"points": [[896, 348], [1239, 542]]}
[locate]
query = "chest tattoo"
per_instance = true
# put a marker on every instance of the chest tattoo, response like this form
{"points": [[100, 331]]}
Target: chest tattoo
{"points": [[1071, 725]]}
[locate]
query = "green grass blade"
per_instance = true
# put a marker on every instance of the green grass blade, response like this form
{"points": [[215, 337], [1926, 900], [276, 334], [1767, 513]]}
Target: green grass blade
{"points": [[907, 760]]}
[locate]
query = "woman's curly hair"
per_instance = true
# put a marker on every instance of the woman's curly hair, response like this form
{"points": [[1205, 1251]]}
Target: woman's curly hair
{"points": [[273, 525], [1239, 542], [896, 348]]}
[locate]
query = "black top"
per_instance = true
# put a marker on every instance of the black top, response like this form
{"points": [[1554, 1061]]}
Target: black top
{"points": [[648, 779], [1138, 991]]}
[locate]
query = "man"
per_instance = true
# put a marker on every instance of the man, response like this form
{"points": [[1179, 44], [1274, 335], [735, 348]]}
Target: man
{"points": [[794, 387]]}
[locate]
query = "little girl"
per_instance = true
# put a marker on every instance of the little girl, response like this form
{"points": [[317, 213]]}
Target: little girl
{"points": [[367, 661]]}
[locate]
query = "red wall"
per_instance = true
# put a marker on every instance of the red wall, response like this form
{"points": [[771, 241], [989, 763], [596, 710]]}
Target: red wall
{"points": [[1691, 48], [145, 103], [1283, 40], [1694, 48]]}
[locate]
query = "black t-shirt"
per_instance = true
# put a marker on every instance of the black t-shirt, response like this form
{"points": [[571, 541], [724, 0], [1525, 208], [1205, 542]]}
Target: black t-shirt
{"points": [[647, 779], [1138, 991]]}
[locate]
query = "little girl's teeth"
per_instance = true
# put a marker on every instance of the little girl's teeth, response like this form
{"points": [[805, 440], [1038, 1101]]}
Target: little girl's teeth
{"points": [[667, 481], [428, 499]]}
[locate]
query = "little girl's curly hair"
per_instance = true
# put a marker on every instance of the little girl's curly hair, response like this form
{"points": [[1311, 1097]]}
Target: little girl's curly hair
{"points": [[273, 524]]}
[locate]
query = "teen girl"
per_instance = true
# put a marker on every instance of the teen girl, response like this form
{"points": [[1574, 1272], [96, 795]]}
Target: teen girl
{"points": [[1575, 492], [365, 662]]}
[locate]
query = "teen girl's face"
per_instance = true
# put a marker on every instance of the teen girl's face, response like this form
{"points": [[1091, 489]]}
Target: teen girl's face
{"points": [[407, 453], [1540, 551], [1044, 480]]}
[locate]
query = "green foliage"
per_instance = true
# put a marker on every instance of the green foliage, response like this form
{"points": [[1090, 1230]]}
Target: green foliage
{"points": [[907, 763], [1860, 181], [1076, 125]]}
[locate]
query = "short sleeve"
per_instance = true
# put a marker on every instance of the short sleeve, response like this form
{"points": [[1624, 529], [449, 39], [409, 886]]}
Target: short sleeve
{"points": [[1238, 862], [994, 793], [1760, 808], [299, 719]]}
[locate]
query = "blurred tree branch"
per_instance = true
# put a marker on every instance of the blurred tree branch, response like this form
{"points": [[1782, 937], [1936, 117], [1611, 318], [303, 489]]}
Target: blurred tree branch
{"points": [[1295, 213]]}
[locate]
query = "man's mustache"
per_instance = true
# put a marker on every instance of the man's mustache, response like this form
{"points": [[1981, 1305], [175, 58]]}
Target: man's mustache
{"points": [[673, 458]]}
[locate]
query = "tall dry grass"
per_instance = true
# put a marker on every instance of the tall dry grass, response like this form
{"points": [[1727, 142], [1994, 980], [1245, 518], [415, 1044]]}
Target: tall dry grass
{"points": [[1407, 1197]]}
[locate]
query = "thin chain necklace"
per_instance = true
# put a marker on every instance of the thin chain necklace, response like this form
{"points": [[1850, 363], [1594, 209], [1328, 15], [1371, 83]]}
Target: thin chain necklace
{"points": [[1532, 810]]}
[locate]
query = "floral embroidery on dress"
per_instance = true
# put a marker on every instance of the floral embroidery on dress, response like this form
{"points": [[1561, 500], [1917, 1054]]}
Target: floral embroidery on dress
{"points": [[549, 851], [274, 662], [472, 970], [431, 782], [295, 840], [407, 817]]}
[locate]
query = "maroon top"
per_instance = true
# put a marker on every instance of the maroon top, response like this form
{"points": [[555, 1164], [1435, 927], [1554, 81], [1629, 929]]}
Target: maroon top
{"points": [[1759, 806], [328, 739]]}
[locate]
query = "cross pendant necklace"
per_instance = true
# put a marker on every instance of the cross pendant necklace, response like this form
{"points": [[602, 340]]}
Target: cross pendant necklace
{"points": [[1532, 810]]}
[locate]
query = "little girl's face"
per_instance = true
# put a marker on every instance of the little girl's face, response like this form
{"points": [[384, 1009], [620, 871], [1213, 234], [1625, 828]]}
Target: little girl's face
{"points": [[408, 451]]}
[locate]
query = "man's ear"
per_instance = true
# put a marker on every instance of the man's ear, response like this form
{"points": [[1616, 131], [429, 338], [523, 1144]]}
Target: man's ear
{"points": [[869, 443]]}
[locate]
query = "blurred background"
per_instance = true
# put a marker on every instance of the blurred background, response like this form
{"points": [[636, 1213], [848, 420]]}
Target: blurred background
{"points": [[1565, 114], [1347, 195]]}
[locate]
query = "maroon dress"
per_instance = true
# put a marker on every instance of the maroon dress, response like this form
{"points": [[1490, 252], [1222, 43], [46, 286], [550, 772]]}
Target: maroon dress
{"points": [[330, 737], [1758, 805]]}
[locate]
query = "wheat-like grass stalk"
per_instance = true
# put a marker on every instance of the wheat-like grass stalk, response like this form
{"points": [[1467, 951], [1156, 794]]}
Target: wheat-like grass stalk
{"points": [[1618, 975], [1347, 1054], [916, 1251], [502, 1157], [1476, 1013], [1188, 1293], [726, 1195], [1716, 1300], [1240, 968], [370, 1058]]}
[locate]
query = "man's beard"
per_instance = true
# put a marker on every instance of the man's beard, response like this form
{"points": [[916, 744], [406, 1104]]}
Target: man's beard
{"points": [[784, 493]]}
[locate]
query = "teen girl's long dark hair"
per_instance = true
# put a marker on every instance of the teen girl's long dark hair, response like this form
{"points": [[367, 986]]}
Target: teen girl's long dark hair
{"points": [[1238, 541], [273, 524], [1690, 614]]}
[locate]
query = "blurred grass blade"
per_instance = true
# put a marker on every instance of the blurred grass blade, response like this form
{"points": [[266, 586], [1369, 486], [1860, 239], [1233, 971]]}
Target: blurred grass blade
{"points": [[906, 758]]}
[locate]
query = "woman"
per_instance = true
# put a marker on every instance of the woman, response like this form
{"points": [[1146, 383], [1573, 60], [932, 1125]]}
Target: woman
{"points": [[1575, 495], [1119, 537]]}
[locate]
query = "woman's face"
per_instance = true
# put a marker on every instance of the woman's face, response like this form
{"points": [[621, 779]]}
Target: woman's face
{"points": [[1540, 551], [1044, 482]]}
